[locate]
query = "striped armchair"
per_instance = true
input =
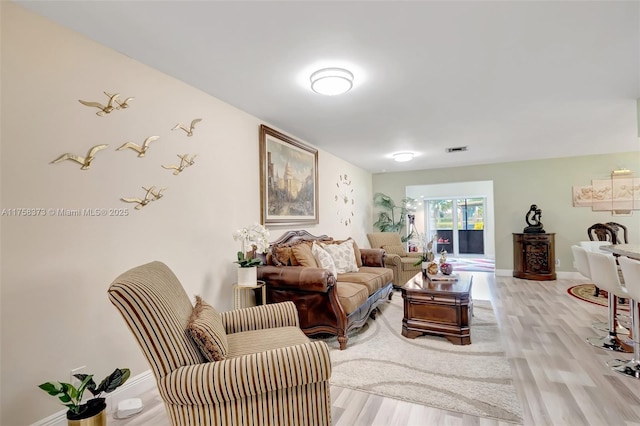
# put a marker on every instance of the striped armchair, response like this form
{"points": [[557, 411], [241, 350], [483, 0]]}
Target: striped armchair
{"points": [[272, 374], [398, 259]]}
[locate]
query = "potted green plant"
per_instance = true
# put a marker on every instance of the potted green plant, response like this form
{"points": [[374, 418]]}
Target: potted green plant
{"points": [[91, 412], [392, 217]]}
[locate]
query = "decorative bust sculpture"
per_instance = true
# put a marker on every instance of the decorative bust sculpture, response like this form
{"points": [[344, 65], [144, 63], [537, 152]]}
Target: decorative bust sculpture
{"points": [[533, 217]]}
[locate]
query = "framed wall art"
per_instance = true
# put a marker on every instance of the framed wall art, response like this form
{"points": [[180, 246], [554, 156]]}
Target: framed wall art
{"points": [[288, 180], [620, 194]]}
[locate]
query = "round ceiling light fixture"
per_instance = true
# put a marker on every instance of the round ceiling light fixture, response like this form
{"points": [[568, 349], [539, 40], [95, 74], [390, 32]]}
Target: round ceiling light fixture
{"points": [[402, 157], [331, 81]]}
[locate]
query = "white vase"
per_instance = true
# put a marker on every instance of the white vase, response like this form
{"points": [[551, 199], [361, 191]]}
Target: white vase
{"points": [[248, 277]]}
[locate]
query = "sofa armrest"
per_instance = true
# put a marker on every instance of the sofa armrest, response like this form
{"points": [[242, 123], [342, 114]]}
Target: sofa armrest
{"points": [[373, 257], [393, 260], [247, 375], [260, 317], [297, 278]]}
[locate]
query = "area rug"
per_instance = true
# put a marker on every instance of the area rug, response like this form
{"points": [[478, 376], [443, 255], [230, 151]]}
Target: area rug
{"points": [[586, 293], [473, 379], [473, 265]]}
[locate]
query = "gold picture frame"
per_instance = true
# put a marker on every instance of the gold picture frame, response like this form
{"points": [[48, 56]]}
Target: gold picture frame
{"points": [[288, 180]]}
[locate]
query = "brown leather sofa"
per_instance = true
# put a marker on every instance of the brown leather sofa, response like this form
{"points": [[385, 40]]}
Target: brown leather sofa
{"points": [[326, 304]]}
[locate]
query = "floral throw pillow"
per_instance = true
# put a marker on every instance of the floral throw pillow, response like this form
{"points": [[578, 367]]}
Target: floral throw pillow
{"points": [[343, 256], [324, 259]]}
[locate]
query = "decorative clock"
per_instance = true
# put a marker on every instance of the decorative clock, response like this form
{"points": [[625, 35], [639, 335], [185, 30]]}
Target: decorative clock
{"points": [[344, 200]]}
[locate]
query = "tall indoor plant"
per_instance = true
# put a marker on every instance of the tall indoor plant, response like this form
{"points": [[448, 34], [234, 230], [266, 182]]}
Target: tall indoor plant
{"points": [[91, 412], [392, 217], [253, 239]]}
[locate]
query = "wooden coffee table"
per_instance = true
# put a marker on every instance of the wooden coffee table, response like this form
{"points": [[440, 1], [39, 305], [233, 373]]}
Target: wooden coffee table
{"points": [[441, 308]]}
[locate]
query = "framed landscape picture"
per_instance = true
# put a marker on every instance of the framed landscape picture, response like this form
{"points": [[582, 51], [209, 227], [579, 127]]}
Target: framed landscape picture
{"points": [[288, 180]]}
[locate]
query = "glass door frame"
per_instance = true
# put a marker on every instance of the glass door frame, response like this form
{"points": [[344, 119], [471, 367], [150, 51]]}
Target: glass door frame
{"points": [[455, 237]]}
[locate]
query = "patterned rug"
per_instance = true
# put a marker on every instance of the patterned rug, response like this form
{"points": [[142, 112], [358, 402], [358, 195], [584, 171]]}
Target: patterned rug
{"points": [[473, 265], [473, 379], [586, 292]]}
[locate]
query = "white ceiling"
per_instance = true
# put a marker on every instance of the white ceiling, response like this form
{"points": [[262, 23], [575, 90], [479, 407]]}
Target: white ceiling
{"points": [[510, 80]]}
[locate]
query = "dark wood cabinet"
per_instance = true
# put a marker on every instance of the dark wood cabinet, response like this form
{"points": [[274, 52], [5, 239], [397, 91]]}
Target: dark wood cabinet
{"points": [[534, 256]]}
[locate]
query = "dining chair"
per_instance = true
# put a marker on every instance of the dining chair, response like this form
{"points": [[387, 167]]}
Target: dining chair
{"points": [[604, 273], [617, 227], [631, 271], [581, 263]]}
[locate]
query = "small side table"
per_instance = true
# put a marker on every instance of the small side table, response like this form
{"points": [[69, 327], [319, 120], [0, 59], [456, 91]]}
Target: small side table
{"points": [[242, 294]]}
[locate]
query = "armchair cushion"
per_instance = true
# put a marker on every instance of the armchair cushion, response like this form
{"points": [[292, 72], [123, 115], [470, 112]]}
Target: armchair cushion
{"points": [[395, 249], [207, 330], [343, 256], [324, 259], [254, 341]]}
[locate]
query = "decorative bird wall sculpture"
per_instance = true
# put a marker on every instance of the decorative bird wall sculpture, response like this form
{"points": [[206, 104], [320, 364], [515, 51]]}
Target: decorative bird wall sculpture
{"points": [[155, 194], [189, 129], [148, 197], [84, 161], [141, 150], [185, 162], [104, 109], [121, 105]]}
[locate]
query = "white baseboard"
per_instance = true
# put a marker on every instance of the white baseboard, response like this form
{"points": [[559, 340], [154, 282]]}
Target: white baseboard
{"points": [[133, 388], [570, 275], [561, 274]]}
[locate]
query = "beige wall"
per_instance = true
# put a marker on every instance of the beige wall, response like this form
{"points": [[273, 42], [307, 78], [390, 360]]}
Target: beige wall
{"points": [[55, 314], [517, 185]]}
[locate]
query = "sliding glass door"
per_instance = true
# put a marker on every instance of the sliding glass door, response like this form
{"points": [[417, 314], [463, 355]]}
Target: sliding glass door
{"points": [[459, 224]]}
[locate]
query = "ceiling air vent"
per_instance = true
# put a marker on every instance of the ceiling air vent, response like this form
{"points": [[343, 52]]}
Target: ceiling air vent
{"points": [[458, 149]]}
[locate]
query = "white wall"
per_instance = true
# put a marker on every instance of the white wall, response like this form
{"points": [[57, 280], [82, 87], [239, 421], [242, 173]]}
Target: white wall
{"points": [[55, 314]]}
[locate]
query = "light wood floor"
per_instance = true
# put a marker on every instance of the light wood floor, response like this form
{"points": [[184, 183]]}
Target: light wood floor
{"points": [[560, 379]]}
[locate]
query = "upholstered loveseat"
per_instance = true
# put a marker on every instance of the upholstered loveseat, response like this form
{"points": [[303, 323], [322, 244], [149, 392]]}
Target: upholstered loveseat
{"points": [[327, 302]]}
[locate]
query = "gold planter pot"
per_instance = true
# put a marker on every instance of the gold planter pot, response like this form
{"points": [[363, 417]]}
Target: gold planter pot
{"points": [[99, 419]]}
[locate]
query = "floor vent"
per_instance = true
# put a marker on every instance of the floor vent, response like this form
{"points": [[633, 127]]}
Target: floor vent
{"points": [[458, 149]]}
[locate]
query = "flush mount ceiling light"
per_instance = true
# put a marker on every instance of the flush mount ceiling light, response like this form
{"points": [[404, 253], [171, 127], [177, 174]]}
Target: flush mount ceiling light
{"points": [[402, 157], [331, 81]]}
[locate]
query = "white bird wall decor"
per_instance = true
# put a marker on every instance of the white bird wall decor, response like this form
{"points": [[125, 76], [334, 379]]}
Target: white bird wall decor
{"points": [[141, 150], [84, 161], [189, 129]]}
